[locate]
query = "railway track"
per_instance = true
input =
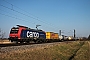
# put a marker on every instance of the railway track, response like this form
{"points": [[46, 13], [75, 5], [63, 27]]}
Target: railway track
{"points": [[31, 43], [7, 48], [14, 44]]}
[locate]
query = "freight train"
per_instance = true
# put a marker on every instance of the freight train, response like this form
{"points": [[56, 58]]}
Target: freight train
{"points": [[24, 34]]}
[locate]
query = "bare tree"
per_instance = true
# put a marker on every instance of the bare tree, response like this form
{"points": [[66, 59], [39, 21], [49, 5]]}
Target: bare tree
{"points": [[2, 34]]}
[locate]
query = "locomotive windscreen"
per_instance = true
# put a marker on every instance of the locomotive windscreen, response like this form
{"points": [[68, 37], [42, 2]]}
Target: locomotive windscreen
{"points": [[14, 30]]}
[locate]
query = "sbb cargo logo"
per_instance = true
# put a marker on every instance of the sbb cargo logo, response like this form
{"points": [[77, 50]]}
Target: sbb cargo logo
{"points": [[33, 34]]}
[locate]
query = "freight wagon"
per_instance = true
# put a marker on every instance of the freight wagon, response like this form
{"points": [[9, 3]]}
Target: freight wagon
{"points": [[51, 36], [65, 38], [25, 34]]}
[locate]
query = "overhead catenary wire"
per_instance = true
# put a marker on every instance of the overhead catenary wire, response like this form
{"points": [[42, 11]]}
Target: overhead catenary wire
{"points": [[37, 18], [17, 11], [25, 20], [14, 17], [23, 14], [18, 18], [8, 12], [19, 8]]}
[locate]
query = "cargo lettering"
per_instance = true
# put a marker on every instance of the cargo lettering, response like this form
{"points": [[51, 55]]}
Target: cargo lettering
{"points": [[33, 34]]}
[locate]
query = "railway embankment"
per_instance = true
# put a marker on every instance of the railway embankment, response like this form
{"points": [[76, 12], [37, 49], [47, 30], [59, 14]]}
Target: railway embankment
{"points": [[74, 50]]}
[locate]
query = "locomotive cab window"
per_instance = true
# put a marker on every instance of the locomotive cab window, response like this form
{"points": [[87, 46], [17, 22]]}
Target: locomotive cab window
{"points": [[14, 30]]}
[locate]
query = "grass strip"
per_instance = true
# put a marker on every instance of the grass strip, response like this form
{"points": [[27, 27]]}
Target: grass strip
{"points": [[61, 51], [82, 53]]}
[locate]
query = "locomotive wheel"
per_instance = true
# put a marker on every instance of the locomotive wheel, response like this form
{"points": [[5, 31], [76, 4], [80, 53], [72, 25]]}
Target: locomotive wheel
{"points": [[38, 41], [61, 40], [11, 40], [16, 42], [21, 42], [27, 41]]}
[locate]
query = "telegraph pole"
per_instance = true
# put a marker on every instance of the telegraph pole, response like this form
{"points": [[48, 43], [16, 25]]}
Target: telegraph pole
{"points": [[60, 32], [74, 34]]}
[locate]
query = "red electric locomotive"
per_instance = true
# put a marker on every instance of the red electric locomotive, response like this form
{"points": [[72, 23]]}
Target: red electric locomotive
{"points": [[24, 34], [15, 33]]}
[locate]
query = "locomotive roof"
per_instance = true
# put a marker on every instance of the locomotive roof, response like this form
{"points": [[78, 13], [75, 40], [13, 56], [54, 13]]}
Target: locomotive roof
{"points": [[34, 29], [26, 28], [21, 26]]}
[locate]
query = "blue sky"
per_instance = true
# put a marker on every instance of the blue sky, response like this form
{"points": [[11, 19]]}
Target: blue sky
{"points": [[52, 15]]}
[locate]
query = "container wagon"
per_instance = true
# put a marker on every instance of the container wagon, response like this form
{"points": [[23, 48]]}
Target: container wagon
{"points": [[51, 36], [56, 36]]}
